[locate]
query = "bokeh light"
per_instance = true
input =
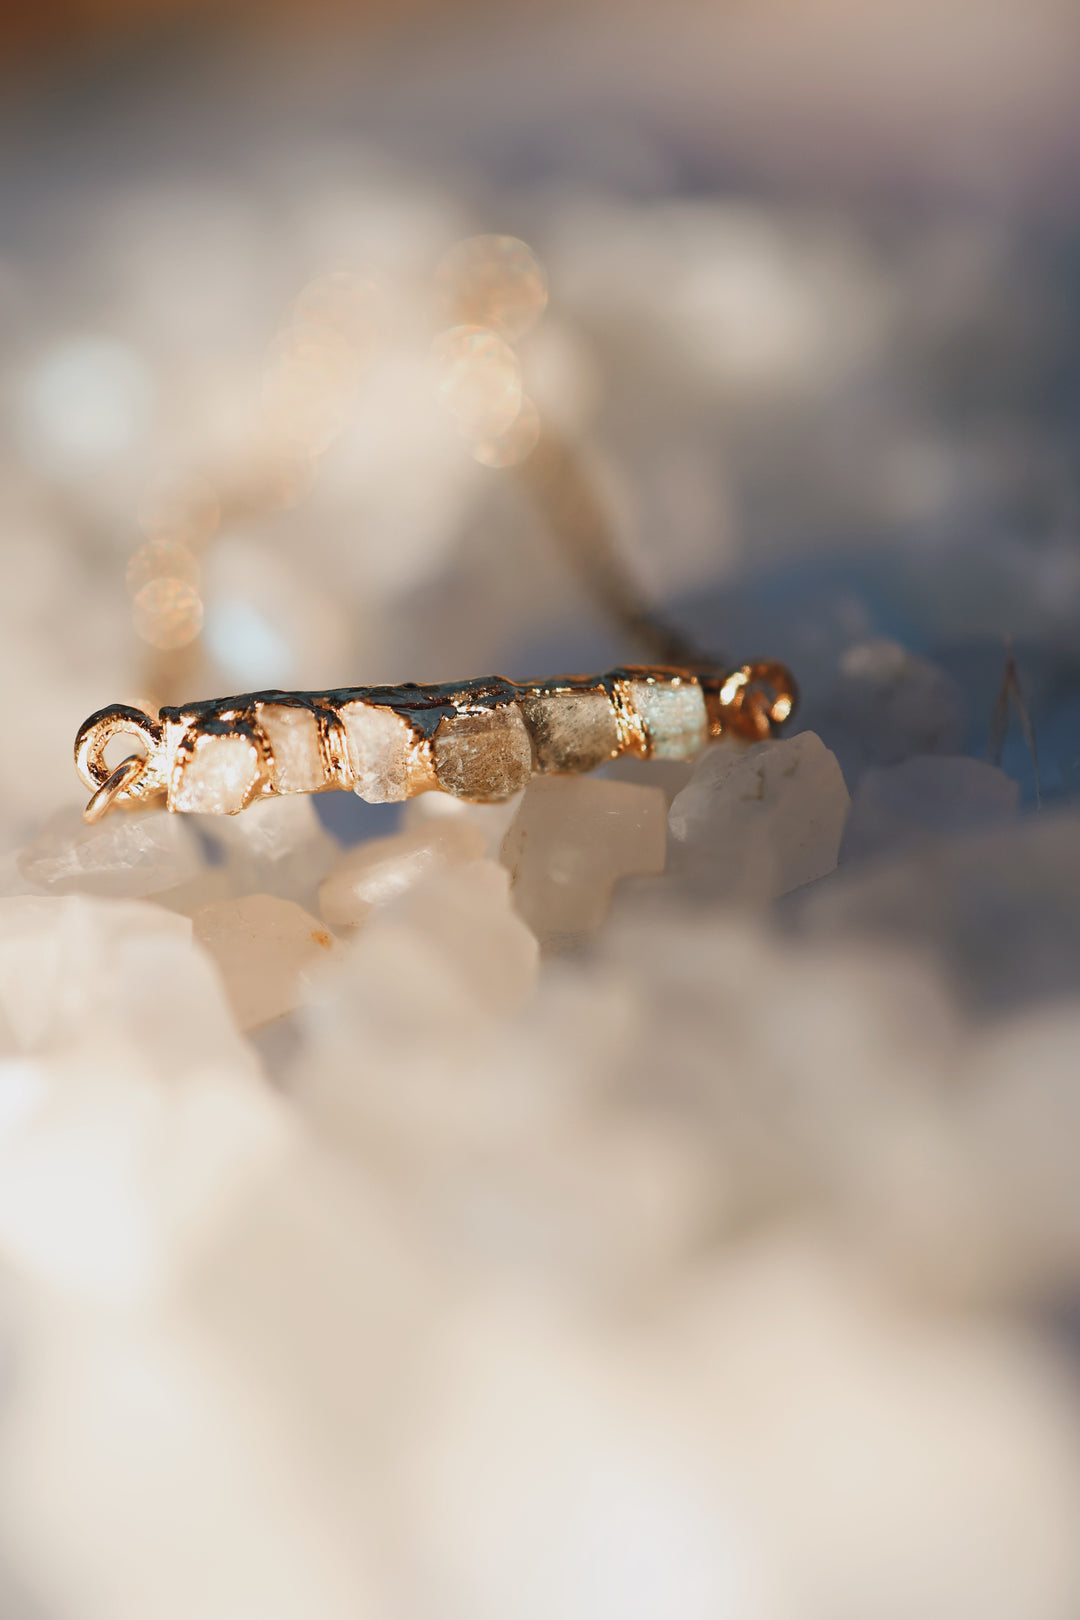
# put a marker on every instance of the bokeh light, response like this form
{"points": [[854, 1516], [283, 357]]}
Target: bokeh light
{"points": [[161, 559], [84, 404], [351, 306], [478, 379], [493, 281], [167, 613], [185, 511], [511, 447]]}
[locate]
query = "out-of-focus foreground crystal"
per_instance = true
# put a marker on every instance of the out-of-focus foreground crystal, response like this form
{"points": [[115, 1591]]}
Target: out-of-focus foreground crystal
{"points": [[651, 1197], [694, 1268]]}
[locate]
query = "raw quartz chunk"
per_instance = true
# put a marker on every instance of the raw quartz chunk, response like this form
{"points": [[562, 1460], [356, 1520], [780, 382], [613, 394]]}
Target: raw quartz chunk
{"points": [[571, 731], [492, 821], [380, 745], [130, 854], [112, 981], [485, 756], [426, 978], [927, 797], [382, 869], [1001, 908], [755, 823], [885, 705], [266, 948], [293, 735], [674, 716], [219, 774], [278, 846], [571, 841]]}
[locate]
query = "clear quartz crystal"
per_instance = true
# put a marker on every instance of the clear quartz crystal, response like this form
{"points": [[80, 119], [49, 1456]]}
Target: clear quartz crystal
{"points": [[218, 775], [129, 854], [380, 743], [571, 731], [293, 734], [753, 824], [380, 870], [265, 948], [483, 756], [571, 841], [927, 797], [674, 716]]}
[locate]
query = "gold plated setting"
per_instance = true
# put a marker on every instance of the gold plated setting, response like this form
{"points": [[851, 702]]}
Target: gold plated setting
{"points": [[478, 740]]}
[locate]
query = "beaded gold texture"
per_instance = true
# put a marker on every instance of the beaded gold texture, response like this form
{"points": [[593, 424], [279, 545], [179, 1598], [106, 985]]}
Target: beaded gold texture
{"points": [[479, 740]]}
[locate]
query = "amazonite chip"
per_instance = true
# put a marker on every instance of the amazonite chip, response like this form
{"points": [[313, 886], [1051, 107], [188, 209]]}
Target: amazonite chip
{"points": [[674, 716]]}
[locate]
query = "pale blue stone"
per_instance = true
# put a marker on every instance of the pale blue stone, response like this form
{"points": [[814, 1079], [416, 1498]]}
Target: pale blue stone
{"points": [[674, 716]]}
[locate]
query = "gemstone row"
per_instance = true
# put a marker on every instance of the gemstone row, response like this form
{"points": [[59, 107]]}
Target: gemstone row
{"points": [[479, 741]]}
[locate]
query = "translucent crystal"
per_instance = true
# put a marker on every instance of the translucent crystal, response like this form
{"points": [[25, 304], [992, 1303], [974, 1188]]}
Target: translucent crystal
{"points": [[429, 971], [669, 775], [926, 797], [129, 854], [218, 776], [674, 716], [1000, 907], [755, 823], [266, 949], [293, 734], [381, 869], [884, 705], [571, 731], [483, 756], [278, 846], [571, 841], [491, 820], [117, 980], [379, 742]]}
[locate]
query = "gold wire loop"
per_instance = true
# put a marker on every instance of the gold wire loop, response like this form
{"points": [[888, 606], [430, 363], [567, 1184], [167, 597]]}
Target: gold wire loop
{"points": [[754, 700], [121, 782], [95, 734]]}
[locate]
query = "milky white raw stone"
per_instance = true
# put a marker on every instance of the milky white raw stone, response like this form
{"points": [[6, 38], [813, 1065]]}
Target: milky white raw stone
{"points": [[266, 949], [571, 731], [293, 735], [118, 980], [926, 797], [886, 704], [877, 1435], [379, 743], [1018, 1126], [278, 846], [129, 854], [1001, 908], [674, 716], [466, 913], [669, 775], [483, 756], [571, 841], [755, 823], [381, 869], [218, 776], [201, 1289], [492, 820], [427, 977]]}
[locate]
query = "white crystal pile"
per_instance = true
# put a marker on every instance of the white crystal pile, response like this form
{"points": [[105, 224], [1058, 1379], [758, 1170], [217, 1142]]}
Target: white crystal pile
{"points": [[693, 1258], [655, 1197]]}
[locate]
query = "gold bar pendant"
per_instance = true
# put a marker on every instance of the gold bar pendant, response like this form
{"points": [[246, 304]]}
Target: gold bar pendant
{"points": [[479, 740]]}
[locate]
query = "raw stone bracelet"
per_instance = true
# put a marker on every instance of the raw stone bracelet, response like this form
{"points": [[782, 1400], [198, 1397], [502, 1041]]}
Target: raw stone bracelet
{"points": [[478, 740]]}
